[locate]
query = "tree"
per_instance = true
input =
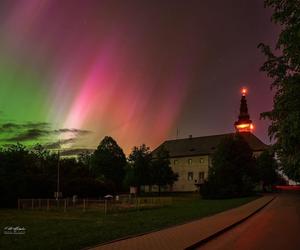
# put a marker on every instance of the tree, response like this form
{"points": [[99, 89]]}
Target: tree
{"points": [[233, 171], [162, 173], [108, 162], [32, 173], [13, 163], [138, 173], [283, 66], [267, 168], [84, 159]]}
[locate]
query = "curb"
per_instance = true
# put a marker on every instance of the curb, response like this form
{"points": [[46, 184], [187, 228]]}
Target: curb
{"points": [[218, 233]]}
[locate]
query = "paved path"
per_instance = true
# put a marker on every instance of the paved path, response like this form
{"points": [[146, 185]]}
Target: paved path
{"points": [[277, 226], [183, 236]]}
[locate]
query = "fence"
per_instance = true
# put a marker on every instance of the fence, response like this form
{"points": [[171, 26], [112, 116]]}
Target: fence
{"points": [[106, 206]]}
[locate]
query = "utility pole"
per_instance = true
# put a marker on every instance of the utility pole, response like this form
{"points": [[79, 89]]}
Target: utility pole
{"points": [[177, 133], [58, 165]]}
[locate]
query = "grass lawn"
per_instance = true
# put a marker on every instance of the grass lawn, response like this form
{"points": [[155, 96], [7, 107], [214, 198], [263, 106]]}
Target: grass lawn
{"points": [[77, 229]]}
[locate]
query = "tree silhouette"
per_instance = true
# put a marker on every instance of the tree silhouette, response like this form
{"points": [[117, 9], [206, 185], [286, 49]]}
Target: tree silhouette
{"points": [[139, 169], [233, 172], [108, 163], [267, 168], [32, 173], [283, 66], [162, 173]]}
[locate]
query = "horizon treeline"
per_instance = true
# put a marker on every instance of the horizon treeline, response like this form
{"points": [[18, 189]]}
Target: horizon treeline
{"points": [[32, 172]]}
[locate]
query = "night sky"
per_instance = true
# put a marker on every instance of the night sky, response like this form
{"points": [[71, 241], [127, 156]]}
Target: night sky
{"points": [[76, 71]]}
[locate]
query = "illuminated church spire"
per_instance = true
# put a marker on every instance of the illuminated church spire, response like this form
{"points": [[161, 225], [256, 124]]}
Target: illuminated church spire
{"points": [[243, 124]]}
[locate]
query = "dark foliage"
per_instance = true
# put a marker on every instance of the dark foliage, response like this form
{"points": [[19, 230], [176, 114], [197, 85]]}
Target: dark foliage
{"points": [[283, 66], [267, 168], [108, 163], [233, 172], [139, 167], [32, 173], [162, 173], [146, 169]]}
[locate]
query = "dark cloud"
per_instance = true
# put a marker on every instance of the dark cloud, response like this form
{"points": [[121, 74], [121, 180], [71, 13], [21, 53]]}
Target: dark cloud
{"points": [[58, 144], [73, 130], [76, 151], [28, 135], [10, 126], [36, 125], [31, 131], [21, 132]]}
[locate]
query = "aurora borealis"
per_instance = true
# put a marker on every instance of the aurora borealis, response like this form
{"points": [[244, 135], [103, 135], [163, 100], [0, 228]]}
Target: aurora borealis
{"points": [[76, 70]]}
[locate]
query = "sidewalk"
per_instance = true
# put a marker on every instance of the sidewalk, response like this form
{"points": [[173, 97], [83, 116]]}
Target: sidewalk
{"points": [[189, 234]]}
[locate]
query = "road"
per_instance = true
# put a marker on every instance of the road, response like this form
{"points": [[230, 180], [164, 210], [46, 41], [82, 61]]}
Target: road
{"points": [[277, 226]]}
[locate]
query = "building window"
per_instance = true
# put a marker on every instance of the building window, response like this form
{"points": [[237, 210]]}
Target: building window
{"points": [[201, 160], [190, 161], [201, 176], [175, 162], [190, 176]]}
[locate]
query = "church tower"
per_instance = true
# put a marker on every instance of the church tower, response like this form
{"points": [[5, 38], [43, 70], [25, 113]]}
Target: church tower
{"points": [[243, 124]]}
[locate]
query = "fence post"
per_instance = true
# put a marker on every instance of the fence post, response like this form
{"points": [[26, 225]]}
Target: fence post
{"points": [[83, 205], [65, 207]]}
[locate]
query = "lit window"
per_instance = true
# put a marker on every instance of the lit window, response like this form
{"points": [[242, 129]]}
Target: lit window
{"points": [[190, 161], [190, 176], [201, 160]]}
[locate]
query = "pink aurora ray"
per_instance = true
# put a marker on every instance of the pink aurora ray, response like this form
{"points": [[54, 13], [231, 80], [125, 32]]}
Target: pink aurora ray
{"points": [[135, 71]]}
